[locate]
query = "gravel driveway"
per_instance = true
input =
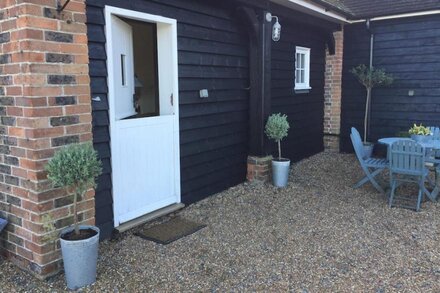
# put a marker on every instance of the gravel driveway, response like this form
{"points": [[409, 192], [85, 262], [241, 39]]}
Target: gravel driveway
{"points": [[317, 235]]}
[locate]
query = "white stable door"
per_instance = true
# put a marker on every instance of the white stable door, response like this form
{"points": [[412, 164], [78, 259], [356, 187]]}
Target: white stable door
{"points": [[144, 150]]}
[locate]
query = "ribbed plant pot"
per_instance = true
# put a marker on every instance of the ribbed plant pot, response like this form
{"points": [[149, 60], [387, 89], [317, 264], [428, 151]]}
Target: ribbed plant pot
{"points": [[80, 259], [420, 138], [368, 150], [280, 172]]}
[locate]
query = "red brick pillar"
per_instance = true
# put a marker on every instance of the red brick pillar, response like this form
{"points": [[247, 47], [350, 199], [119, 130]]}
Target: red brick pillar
{"points": [[332, 94], [44, 104], [259, 169]]}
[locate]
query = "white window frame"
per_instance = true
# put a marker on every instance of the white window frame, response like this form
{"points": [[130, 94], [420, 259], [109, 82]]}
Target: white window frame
{"points": [[306, 84]]}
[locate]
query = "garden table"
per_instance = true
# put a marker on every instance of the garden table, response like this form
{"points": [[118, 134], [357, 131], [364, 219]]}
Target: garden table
{"points": [[431, 145], [388, 141]]}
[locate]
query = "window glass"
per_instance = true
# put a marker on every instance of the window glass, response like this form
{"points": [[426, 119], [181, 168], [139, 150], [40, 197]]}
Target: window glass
{"points": [[302, 68]]}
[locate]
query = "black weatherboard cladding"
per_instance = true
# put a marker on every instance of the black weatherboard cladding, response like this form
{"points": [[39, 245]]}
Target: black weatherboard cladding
{"points": [[408, 48], [305, 110], [213, 54]]}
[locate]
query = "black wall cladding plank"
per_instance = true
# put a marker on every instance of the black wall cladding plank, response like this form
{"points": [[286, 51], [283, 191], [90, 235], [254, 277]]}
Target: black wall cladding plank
{"points": [[213, 54], [305, 110], [408, 48]]}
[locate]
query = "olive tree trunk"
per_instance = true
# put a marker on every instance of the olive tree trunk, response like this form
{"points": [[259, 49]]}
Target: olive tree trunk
{"points": [[367, 110], [75, 213], [79, 191], [279, 150]]}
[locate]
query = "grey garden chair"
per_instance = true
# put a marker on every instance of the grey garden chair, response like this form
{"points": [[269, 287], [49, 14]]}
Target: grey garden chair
{"points": [[407, 164], [433, 155], [371, 166], [435, 132], [3, 224]]}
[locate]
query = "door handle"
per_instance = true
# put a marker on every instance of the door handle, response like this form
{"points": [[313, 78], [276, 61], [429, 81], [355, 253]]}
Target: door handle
{"points": [[172, 99]]}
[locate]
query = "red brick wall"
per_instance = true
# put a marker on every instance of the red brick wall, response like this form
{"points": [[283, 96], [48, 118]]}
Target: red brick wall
{"points": [[44, 104], [332, 94]]}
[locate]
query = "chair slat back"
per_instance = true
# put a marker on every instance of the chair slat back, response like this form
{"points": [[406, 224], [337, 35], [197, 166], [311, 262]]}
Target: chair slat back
{"points": [[407, 157], [435, 136], [435, 132], [358, 146]]}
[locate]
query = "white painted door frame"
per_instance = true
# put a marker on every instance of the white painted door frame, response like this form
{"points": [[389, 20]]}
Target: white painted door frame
{"points": [[167, 67]]}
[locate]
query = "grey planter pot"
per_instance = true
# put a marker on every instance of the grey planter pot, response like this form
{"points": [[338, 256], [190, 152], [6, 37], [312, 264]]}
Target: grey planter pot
{"points": [[368, 150], [280, 172], [421, 138], [80, 258]]}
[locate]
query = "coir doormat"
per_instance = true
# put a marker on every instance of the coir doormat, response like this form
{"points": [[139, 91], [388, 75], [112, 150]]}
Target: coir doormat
{"points": [[170, 231]]}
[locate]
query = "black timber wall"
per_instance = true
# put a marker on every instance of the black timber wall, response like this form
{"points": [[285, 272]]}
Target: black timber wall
{"points": [[213, 54], [305, 110], [408, 48]]}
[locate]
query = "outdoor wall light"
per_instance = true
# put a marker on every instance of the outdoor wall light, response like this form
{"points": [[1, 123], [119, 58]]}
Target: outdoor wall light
{"points": [[276, 29], [60, 7]]}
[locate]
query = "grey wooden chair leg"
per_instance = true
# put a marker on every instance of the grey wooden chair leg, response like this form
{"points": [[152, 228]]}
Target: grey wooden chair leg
{"points": [[428, 194], [393, 189], [377, 186], [420, 195], [370, 178]]}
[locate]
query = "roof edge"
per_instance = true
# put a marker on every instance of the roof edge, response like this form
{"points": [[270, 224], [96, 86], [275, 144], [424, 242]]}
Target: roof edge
{"points": [[334, 8], [396, 16], [313, 8], [331, 12]]}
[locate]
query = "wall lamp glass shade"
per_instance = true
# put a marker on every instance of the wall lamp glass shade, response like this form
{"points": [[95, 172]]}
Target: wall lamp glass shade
{"points": [[276, 31]]}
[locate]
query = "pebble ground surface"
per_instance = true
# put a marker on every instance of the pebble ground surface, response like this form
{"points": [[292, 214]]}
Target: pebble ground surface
{"points": [[316, 235]]}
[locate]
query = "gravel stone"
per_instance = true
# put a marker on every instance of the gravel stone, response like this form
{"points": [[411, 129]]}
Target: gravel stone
{"points": [[316, 235]]}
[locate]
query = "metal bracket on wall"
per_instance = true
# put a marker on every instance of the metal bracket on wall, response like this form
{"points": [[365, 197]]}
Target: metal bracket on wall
{"points": [[60, 7]]}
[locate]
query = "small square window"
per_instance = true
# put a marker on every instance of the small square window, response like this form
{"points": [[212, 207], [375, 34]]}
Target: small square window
{"points": [[302, 68]]}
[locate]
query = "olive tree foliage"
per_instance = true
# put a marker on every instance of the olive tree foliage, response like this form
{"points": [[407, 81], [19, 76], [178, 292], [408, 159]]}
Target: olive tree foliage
{"points": [[277, 128], [75, 167], [370, 78]]}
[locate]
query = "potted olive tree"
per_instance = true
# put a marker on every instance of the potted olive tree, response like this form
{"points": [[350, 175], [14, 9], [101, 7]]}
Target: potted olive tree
{"points": [[76, 168], [276, 129], [370, 77]]}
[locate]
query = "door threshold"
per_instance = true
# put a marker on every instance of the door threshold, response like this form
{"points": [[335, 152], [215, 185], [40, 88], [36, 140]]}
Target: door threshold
{"points": [[149, 217]]}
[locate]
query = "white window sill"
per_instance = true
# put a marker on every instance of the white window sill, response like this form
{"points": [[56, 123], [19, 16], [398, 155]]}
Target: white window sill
{"points": [[302, 90]]}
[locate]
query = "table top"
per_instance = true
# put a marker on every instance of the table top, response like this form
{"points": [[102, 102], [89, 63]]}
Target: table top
{"points": [[391, 140], [433, 144]]}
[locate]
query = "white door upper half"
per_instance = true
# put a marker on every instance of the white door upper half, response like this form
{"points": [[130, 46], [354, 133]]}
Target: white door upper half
{"points": [[144, 150], [123, 61]]}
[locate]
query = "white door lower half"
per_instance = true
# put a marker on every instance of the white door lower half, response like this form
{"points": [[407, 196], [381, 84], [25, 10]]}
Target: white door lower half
{"points": [[144, 150]]}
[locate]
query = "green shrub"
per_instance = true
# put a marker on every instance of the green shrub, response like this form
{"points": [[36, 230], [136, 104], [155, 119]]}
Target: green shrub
{"points": [[75, 167], [277, 128], [402, 134]]}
